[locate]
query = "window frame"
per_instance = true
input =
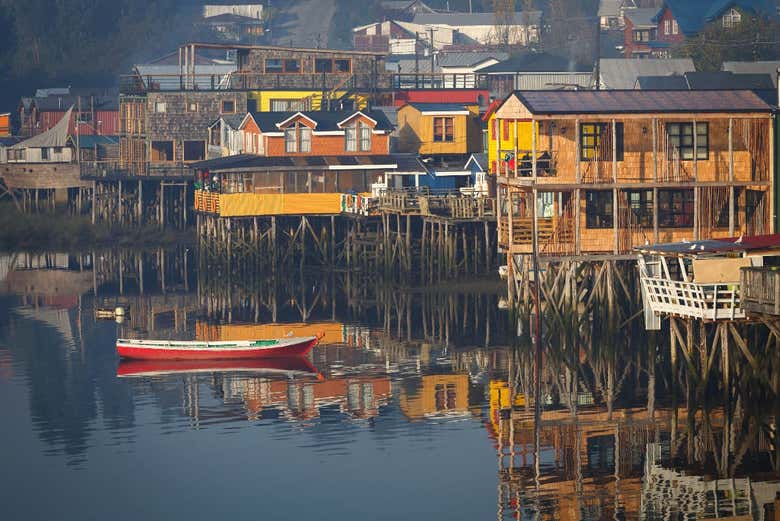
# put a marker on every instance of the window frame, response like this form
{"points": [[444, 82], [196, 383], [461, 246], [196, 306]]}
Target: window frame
{"points": [[304, 145], [192, 106], [222, 106], [350, 142], [191, 141], [160, 107], [447, 123], [173, 150], [642, 205], [590, 137], [290, 140], [364, 137], [672, 213], [683, 134], [599, 213]]}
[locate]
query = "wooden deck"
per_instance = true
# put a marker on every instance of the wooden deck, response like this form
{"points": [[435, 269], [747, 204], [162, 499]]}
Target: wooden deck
{"points": [[761, 290], [450, 205]]}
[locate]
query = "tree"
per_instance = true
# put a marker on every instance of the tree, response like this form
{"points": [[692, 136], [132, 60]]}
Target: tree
{"points": [[504, 15], [754, 38]]}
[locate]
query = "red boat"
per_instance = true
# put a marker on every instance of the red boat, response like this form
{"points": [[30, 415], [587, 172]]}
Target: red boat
{"points": [[291, 366], [222, 350]]}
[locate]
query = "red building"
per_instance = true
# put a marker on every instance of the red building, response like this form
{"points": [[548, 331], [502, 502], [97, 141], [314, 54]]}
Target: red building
{"points": [[479, 97], [96, 113], [316, 133], [653, 32]]}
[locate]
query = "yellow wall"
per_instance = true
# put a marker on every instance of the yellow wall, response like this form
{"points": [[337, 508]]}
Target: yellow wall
{"points": [[415, 133], [264, 97], [240, 205], [521, 129], [333, 331], [423, 403]]}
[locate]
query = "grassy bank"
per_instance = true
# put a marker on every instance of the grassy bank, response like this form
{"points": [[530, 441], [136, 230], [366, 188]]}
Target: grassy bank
{"points": [[57, 231]]}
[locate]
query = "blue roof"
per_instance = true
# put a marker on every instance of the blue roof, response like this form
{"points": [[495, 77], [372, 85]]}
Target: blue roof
{"points": [[693, 15]]}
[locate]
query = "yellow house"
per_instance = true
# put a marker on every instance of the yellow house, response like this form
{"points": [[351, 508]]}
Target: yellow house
{"points": [[438, 395], [291, 100], [501, 139], [439, 128]]}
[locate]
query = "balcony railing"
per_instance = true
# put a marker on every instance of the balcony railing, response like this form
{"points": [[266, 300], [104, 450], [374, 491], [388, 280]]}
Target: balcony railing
{"points": [[365, 82], [689, 299], [120, 170], [546, 163], [444, 203]]}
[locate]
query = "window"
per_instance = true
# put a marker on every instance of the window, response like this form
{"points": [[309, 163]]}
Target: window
{"points": [[85, 116], [323, 65], [641, 204], [598, 209], [644, 35], [328, 65], [251, 105], [160, 107], [667, 27], [596, 141], [289, 105], [194, 150], [45, 154], [731, 19], [675, 208], [290, 143], [273, 66], [192, 107], [304, 139], [681, 139], [342, 66], [723, 214], [675, 27], [350, 139], [228, 107], [365, 138], [292, 66], [162, 150], [444, 129]]}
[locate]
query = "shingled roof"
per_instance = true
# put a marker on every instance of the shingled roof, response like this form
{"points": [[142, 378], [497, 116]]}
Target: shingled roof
{"points": [[640, 101]]}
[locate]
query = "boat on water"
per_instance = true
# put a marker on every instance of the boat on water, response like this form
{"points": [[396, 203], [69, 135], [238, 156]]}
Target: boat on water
{"points": [[291, 366], [220, 350]]}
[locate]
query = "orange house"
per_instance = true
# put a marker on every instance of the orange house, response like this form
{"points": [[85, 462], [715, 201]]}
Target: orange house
{"points": [[5, 124], [316, 133]]}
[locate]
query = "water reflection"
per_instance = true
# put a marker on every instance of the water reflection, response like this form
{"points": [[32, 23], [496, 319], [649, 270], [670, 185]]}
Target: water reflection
{"points": [[438, 370]]}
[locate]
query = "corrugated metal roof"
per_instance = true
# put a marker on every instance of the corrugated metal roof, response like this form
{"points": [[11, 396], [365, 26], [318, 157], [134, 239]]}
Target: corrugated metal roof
{"points": [[535, 62], [621, 73], [759, 67], [57, 136], [470, 19], [469, 59], [553, 80], [641, 101]]}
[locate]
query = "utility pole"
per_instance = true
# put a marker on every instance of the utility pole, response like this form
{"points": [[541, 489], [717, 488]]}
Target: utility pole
{"points": [[433, 65], [416, 59]]}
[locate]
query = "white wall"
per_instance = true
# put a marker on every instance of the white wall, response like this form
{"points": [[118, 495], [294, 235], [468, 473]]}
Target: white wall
{"points": [[249, 10]]}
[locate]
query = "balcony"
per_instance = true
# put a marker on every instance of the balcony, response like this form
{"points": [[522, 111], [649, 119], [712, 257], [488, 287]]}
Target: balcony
{"points": [[257, 205], [115, 170], [761, 290], [361, 82]]}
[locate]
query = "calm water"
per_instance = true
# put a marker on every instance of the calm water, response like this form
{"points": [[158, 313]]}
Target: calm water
{"points": [[404, 411]]}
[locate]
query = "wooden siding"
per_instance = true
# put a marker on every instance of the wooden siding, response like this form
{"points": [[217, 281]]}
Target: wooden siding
{"points": [[415, 133], [739, 165], [62, 175], [178, 123], [250, 204]]}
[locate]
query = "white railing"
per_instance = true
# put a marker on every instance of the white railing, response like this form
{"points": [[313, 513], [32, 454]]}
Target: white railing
{"points": [[689, 299], [359, 204]]}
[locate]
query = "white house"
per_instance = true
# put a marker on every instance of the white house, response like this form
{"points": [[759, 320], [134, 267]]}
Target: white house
{"points": [[460, 68], [483, 28], [50, 146]]}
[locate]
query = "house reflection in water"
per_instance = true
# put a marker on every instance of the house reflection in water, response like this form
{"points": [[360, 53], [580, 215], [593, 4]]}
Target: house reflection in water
{"points": [[302, 399], [437, 395]]}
